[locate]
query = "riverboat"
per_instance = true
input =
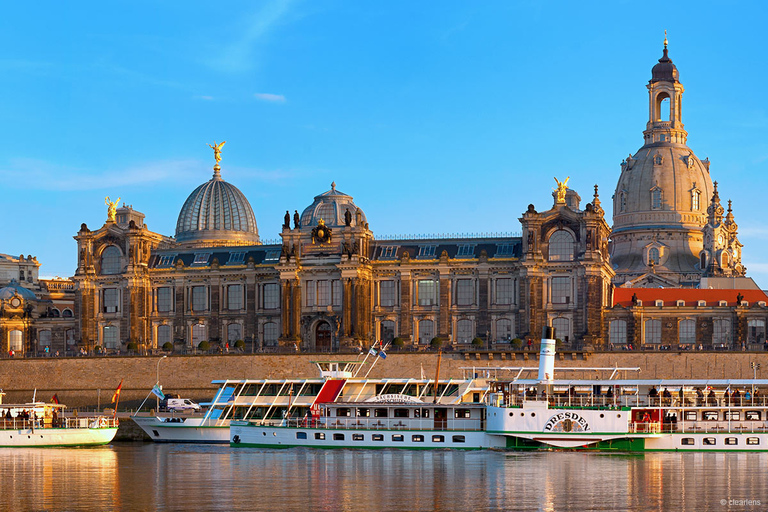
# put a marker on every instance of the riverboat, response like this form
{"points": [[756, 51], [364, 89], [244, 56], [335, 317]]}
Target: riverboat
{"points": [[40, 424]]}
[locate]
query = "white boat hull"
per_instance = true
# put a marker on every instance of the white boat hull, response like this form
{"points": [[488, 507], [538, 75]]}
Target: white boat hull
{"points": [[191, 430], [44, 437]]}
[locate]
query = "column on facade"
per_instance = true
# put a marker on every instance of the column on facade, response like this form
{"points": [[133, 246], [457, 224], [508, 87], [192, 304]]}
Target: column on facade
{"points": [[296, 308], [444, 318], [285, 310], [347, 308], [406, 308]]}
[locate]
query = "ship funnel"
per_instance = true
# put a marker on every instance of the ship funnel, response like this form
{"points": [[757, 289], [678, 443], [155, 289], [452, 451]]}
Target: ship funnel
{"points": [[547, 355]]}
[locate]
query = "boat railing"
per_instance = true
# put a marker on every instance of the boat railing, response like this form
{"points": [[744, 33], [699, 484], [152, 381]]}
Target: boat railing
{"points": [[699, 427], [17, 423], [349, 423], [609, 402]]}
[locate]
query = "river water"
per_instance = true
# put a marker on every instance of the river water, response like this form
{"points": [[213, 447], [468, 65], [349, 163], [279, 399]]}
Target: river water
{"points": [[145, 476]]}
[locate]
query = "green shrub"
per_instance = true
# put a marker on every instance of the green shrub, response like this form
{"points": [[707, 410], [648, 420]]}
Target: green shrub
{"points": [[239, 344], [398, 342], [436, 342], [168, 346], [97, 349], [204, 346], [517, 343], [478, 342]]}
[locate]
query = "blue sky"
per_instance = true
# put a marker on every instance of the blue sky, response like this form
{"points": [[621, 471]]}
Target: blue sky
{"points": [[436, 117]]}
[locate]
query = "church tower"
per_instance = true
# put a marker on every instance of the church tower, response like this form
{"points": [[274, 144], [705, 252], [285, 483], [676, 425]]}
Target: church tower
{"points": [[721, 255], [659, 207]]}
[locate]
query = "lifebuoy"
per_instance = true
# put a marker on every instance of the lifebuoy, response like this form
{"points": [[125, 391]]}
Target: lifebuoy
{"points": [[102, 422]]}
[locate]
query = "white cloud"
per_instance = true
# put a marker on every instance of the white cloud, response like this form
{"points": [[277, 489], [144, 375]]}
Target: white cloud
{"points": [[206, 98], [272, 98]]}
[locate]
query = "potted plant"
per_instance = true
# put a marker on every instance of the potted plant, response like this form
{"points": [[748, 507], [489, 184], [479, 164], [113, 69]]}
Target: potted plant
{"points": [[168, 346], [239, 344], [132, 347], [398, 343], [477, 342], [436, 342], [517, 343], [204, 346]]}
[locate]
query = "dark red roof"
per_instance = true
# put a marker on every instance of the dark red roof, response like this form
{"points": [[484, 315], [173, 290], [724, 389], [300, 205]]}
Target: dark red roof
{"points": [[691, 296]]}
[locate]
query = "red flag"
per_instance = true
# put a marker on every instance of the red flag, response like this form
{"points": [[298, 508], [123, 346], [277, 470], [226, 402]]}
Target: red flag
{"points": [[55, 398], [116, 396]]}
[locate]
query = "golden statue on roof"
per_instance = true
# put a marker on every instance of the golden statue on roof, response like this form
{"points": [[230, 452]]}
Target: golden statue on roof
{"points": [[111, 208], [217, 150], [561, 188]]}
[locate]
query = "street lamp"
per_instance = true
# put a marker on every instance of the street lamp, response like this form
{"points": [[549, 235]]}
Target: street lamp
{"points": [[157, 383]]}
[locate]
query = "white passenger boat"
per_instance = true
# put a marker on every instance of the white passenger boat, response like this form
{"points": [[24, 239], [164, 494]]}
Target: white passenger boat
{"points": [[40, 424]]}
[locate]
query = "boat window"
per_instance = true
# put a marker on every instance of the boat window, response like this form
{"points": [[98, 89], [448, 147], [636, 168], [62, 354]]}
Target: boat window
{"points": [[342, 411], [358, 437], [363, 412], [377, 437], [459, 439], [752, 415], [753, 440], [320, 436], [397, 438], [401, 413], [438, 439], [732, 415], [690, 415], [710, 441], [380, 413], [687, 441], [338, 437], [417, 438], [425, 413], [301, 435], [462, 413], [709, 415], [731, 440]]}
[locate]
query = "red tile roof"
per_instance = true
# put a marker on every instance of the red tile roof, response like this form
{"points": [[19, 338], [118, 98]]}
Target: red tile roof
{"points": [[691, 296]]}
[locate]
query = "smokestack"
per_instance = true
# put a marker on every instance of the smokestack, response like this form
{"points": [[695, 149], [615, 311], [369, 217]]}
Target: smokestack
{"points": [[547, 355]]}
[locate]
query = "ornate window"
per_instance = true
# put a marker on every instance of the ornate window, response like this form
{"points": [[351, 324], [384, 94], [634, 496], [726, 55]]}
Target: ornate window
{"points": [[271, 299], [234, 333], [111, 300], [618, 332], [721, 331], [327, 212], [653, 256], [464, 331], [236, 258], [504, 291], [163, 335], [652, 331], [234, 297], [270, 334], [623, 202], [336, 291], [67, 313], [199, 298], [15, 341], [310, 293], [504, 329], [756, 331], [427, 292], [109, 336], [561, 290], [198, 334], [427, 251], [562, 328], [466, 251], [387, 333], [695, 200], [464, 292], [426, 331], [387, 290], [45, 338], [686, 332], [165, 299], [324, 293], [561, 246], [55, 313], [656, 198], [110, 260]]}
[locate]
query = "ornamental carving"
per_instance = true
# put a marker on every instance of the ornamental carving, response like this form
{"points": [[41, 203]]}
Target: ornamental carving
{"points": [[321, 234]]}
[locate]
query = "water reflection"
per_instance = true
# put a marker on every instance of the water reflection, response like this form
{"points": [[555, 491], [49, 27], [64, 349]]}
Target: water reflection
{"points": [[190, 477]]}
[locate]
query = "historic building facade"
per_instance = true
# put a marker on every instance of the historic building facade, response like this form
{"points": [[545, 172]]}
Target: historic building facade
{"points": [[332, 283]]}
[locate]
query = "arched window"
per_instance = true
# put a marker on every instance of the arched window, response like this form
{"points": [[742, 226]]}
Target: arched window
{"points": [[656, 199], [686, 332], [270, 334], [695, 196], [15, 340], [426, 331], [721, 331], [69, 334], [55, 313], [234, 333], [110, 260], [562, 328], [653, 256], [561, 246], [327, 212], [163, 335], [198, 334], [44, 338], [618, 332], [387, 331], [67, 313], [504, 330], [652, 331], [663, 109], [464, 331], [623, 202]]}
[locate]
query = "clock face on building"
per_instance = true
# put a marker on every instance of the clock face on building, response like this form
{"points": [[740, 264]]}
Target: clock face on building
{"points": [[15, 302]]}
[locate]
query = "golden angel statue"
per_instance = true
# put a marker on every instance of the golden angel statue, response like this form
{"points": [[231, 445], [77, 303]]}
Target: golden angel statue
{"points": [[217, 150], [111, 208], [561, 188]]}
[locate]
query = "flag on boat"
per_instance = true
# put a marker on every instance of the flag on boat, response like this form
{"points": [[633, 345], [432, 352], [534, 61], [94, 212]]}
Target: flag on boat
{"points": [[158, 392], [382, 354], [55, 398], [372, 351], [116, 396]]}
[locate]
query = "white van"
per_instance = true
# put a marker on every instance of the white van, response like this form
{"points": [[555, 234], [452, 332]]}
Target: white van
{"points": [[182, 404]]}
